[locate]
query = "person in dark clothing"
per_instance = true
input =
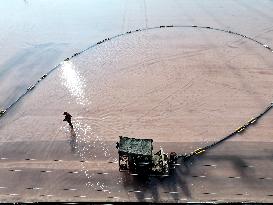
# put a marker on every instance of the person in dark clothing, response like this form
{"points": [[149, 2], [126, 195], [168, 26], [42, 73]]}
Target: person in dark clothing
{"points": [[67, 118]]}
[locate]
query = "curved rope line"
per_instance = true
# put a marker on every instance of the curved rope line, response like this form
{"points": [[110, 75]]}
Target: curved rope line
{"points": [[197, 151]]}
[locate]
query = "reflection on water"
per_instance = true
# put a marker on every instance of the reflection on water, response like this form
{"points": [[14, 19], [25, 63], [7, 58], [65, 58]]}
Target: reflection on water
{"points": [[74, 82], [83, 140], [86, 143], [89, 143]]}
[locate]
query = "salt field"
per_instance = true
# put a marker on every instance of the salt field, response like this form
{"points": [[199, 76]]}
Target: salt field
{"points": [[118, 70]]}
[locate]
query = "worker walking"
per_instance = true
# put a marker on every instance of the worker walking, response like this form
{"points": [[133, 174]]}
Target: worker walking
{"points": [[67, 118]]}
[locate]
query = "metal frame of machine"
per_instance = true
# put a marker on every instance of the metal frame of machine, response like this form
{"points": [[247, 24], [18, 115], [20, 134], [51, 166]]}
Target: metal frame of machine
{"points": [[136, 157]]}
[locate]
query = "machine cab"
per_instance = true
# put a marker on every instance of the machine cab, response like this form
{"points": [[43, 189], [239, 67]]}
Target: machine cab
{"points": [[135, 155]]}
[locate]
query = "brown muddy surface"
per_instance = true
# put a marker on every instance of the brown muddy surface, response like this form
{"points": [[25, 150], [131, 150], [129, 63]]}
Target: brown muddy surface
{"points": [[183, 87], [232, 172]]}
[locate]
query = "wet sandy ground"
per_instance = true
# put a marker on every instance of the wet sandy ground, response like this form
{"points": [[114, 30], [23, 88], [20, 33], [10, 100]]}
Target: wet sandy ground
{"points": [[234, 172], [182, 87]]}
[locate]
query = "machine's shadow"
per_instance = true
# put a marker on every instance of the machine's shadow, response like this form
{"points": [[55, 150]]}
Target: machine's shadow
{"points": [[177, 185], [150, 188]]}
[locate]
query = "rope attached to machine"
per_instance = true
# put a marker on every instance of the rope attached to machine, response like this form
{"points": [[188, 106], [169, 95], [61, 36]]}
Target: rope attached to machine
{"points": [[239, 130]]}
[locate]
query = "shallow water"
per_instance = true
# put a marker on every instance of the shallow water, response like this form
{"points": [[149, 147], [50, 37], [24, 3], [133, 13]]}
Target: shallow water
{"points": [[37, 35]]}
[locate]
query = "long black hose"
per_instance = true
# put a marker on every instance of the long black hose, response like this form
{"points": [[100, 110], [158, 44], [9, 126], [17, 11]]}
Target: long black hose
{"points": [[237, 131]]}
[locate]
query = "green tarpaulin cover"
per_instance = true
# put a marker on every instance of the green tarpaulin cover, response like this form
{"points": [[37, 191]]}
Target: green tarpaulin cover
{"points": [[136, 146]]}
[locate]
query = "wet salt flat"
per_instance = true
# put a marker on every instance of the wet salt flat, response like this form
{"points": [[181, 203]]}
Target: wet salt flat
{"points": [[110, 95], [37, 35], [183, 87], [143, 80]]}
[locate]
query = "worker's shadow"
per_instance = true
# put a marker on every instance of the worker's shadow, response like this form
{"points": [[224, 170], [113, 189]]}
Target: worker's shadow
{"points": [[73, 141]]}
